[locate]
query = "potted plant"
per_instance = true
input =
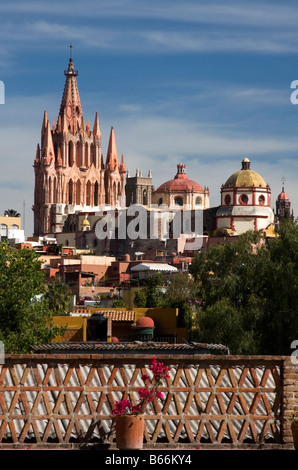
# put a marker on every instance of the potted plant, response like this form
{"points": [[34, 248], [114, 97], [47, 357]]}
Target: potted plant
{"points": [[294, 428], [129, 418]]}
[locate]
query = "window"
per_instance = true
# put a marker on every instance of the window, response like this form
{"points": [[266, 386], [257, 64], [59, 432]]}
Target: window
{"points": [[78, 154], [78, 192], [70, 153], [88, 193], [145, 198], [262, 200], [178, 201], [3, 230], [198, 201], [70, 192], [227, 199], [96, 193], [243, 199]]}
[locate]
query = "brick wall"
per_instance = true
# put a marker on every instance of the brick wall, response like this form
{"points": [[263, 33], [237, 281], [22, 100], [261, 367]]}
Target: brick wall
{"points": [[238, 401], [290, 396]]}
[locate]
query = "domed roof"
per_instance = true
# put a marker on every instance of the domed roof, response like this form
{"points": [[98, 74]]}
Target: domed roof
{"points": [[181, 182], [86, 222], [283, 196], [245, 177], [145, 322]]}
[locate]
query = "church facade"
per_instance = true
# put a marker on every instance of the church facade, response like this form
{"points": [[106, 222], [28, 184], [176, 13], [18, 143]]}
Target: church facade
{"points": [[71, 175]]}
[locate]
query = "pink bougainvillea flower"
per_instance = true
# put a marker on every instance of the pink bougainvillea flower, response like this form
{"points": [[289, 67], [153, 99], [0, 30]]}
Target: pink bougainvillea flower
{"points": [[147, 393]]}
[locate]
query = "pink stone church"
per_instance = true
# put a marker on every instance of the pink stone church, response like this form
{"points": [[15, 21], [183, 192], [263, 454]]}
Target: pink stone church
{"points": [[72, 178], [70, 172]]}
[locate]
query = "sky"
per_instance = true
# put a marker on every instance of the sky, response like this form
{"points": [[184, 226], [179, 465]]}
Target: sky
{"points": [[203, 83]]}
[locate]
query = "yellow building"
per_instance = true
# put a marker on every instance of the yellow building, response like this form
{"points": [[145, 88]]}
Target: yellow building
{"points": [[121, 324], [8, 225]]}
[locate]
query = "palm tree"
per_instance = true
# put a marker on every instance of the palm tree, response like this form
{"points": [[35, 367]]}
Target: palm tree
{"points": [[12, 213]]}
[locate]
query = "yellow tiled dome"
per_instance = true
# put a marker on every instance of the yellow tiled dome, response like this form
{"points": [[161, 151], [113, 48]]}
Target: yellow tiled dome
{"points": [[245, 177], [86, 222]]}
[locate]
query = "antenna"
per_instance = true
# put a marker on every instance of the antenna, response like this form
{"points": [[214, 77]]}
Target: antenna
{"points": [[70, 53], [24, 215]]}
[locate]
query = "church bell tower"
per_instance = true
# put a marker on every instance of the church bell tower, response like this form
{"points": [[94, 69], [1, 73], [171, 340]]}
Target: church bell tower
{"points": [[70, 174]]}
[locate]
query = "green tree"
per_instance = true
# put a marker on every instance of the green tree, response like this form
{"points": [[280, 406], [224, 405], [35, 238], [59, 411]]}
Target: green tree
{"points": [[119, 303], [140, 298], [59, 296], [182, 293], [249, 293], [230, 294], [153, 292], [279, 324], [151, 295], [25, 316]]}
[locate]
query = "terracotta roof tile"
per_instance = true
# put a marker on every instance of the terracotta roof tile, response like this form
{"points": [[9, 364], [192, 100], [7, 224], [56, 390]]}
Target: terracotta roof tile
{"points": [[119, 315]]}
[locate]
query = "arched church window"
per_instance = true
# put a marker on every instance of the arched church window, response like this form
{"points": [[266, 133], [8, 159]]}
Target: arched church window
{"points": [[50, 197], [178, 201], [86, 157], [145, 197], [115, 195], [70, 153], [55, 191], [78, 193], [14, 227], [198, 201], [160, 201], [96, 193], [93, 154], [78, 154], [88, 193], [70, 192], [56, 151]]}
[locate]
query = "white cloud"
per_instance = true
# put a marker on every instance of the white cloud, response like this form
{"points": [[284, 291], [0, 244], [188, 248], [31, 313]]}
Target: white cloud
{"points": [[266, 13], [133, 27]]}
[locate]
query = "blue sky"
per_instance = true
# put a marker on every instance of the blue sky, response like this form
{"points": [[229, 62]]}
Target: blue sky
{"points": [[204, 83]]}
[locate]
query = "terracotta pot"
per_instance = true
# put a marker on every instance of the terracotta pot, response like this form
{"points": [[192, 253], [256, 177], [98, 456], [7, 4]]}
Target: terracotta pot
{"points": [[294, 428], [129, 432]]}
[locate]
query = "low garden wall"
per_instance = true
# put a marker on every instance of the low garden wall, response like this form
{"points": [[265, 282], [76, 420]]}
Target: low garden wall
{"points": [[214, 400]]}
